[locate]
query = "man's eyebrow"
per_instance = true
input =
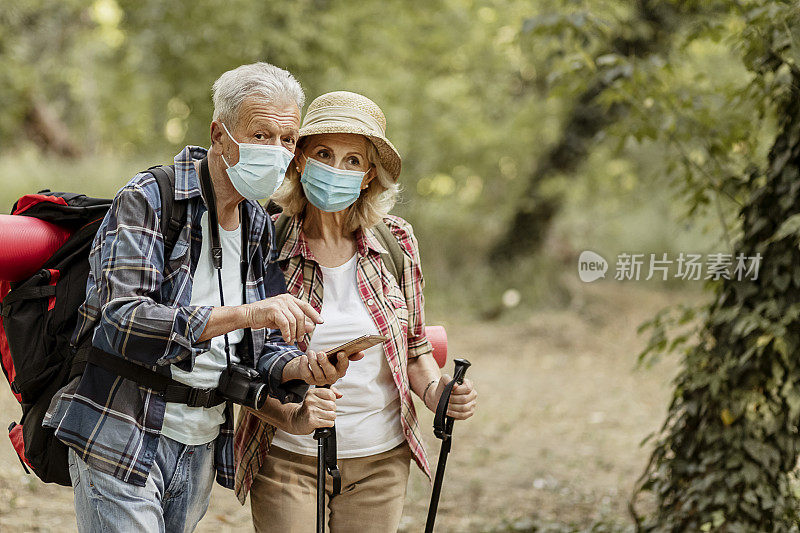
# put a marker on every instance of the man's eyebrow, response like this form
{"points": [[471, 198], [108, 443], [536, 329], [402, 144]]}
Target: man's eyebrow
{"points": [[260, 124]]}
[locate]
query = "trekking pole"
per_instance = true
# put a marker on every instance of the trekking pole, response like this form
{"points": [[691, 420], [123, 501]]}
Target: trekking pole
{"points": [[326, 463], [443, 429]]}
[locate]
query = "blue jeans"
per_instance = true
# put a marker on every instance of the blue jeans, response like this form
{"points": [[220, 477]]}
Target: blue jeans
{"points": [[174, 498]]}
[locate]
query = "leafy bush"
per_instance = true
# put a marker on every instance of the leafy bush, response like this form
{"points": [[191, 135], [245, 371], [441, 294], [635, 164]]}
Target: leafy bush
{"points": [[725, 456]]}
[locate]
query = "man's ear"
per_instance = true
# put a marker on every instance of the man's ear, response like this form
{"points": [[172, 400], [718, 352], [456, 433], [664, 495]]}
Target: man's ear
{"points": [[216, 135]]}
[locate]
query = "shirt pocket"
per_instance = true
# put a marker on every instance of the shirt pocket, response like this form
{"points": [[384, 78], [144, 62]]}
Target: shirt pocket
{"points": [[177, 257], [396, 305]]}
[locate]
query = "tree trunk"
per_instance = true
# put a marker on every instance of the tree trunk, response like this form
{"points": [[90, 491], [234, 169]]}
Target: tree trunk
{"points": [[534, 211], [45, 128]]}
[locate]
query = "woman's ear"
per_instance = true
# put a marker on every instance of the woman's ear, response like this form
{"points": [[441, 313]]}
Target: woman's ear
{"points": [[368, 177], [298, 162]]}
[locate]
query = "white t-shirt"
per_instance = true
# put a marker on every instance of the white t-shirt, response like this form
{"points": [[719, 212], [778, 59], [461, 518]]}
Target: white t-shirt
{"points": [[200, 425], [368, 414]]}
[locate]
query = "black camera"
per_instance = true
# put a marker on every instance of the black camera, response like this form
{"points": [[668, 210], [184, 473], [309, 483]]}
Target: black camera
{"points": [[242, 385]]}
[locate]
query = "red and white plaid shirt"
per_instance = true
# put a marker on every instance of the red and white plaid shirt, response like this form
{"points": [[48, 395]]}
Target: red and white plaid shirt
{"points": [[396, 309]]}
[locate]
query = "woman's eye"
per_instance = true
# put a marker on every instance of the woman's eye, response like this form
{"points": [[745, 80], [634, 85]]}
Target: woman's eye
{"points": [[323, 154], [354, 161]]}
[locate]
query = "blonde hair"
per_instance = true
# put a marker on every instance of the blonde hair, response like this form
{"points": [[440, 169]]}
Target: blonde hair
{"points": [[372, 205]]}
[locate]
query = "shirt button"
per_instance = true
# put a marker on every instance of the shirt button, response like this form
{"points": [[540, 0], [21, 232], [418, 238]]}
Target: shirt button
{"points": [[370, 302]]}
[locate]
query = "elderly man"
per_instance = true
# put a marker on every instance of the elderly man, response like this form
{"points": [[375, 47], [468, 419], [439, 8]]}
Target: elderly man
{"points": [[140, 459]]}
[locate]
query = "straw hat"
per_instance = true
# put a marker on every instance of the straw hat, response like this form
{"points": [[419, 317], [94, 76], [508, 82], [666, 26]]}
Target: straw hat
{"points": [[346, 112]]}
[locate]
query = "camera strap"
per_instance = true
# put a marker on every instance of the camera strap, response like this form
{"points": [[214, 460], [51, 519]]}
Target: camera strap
{"points": [[207, 190], [172, 390]]}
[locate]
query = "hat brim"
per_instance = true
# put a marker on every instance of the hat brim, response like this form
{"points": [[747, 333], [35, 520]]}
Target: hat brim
{"points": [[390, 157]]}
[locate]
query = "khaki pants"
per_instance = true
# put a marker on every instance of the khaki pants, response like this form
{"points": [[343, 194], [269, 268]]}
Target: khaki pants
{"points": [[283, 497]]}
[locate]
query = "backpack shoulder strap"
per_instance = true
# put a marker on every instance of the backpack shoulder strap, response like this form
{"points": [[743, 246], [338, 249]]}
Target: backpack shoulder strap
{"points": [[173, 213], [394, 261]]}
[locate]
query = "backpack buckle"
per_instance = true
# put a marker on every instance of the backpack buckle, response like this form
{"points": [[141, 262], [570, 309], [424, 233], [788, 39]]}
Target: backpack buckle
{"points": [[199, 397]]}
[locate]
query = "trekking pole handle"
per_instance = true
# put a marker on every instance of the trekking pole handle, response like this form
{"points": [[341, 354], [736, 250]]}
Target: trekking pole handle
{"points": [[461, 369], [443, 424]]}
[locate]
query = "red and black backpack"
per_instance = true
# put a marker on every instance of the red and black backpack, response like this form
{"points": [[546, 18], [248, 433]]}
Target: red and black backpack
{"points": [[39, 315]]}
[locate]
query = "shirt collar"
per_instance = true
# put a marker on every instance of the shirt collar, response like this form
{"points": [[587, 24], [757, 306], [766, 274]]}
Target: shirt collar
{"points": [[366, 240], [296, 243], [187, 183]]}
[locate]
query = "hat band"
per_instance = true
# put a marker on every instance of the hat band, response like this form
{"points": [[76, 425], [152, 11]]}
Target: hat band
{"points": [[342, 115]]}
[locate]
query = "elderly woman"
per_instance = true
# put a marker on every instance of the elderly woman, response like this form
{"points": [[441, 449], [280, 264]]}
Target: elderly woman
{"points": [[338, 191]]}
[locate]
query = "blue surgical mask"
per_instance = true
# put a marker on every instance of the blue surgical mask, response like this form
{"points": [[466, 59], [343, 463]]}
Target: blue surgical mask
{"points": [[260, 169], [331, 189]]}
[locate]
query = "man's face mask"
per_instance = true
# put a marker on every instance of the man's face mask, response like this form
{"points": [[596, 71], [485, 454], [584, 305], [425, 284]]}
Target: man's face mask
{"points": [[330, 189], [260, 169]]}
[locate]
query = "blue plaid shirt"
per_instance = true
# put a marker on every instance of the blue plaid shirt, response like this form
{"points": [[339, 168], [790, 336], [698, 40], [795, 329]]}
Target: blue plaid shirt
{"points": [[137, 307]]}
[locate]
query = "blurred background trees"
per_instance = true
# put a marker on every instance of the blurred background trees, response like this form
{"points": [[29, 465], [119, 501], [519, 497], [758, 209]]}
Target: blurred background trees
{"points": [[519, 122]]}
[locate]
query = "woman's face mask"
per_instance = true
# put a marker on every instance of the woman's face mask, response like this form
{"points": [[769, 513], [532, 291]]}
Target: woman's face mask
{"points": [[260, 169], [331, 189]]}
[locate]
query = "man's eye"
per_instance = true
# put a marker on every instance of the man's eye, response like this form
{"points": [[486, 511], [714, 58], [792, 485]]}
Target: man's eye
{"points": [[289, 140], [260, 136], [323, 154], [354, 161]]}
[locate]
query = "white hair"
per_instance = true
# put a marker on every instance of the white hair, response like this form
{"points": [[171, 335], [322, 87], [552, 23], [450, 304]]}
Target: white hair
{"points": [[256, 79]]}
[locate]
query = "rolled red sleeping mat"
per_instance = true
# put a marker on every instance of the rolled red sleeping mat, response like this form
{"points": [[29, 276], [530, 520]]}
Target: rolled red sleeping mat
{"points": [[438, 339], [25, 244]]}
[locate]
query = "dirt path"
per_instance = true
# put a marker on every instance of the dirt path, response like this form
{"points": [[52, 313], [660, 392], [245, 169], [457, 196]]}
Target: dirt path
{"points": [[556, 438]]}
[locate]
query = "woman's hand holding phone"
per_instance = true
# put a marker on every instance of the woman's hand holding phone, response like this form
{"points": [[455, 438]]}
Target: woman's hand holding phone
{"points": [[317, 368], [320, 368]]}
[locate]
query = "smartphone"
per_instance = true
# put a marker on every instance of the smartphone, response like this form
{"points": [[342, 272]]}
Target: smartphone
{"points": [[356, 345]]}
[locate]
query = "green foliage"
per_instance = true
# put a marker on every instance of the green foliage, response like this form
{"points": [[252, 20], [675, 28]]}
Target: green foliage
{"points": [[724, 458], [670, 330]]}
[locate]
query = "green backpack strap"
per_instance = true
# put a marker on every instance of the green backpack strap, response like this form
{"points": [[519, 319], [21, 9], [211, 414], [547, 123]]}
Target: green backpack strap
{"points": [[394, 258], [281, 232]]}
